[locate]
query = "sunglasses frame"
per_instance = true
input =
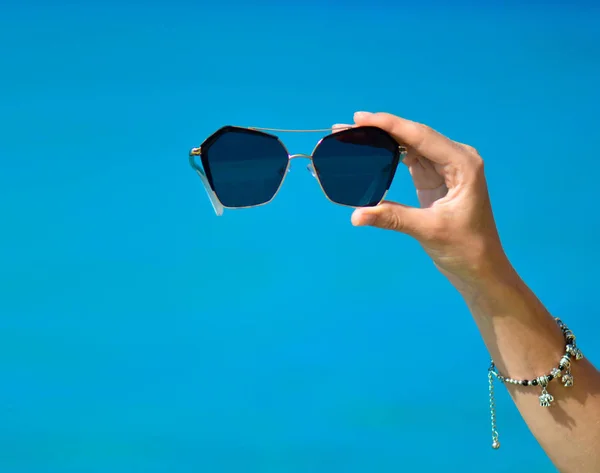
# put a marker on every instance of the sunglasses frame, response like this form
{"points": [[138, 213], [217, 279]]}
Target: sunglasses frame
{"points": [[219, 207]]}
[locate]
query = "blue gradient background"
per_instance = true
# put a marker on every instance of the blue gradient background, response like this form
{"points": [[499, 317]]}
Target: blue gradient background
{"points": [[140, 333]]}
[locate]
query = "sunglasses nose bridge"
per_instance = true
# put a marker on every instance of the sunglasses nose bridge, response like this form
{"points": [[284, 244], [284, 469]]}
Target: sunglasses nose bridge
{"points": [[294, 156], [310, 167]]}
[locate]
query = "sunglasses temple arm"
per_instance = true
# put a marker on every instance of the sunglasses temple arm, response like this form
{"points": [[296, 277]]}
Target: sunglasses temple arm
{"points": [[217, 206]]}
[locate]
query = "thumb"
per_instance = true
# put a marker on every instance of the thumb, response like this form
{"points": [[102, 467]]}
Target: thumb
{"points": [[393, 216]]}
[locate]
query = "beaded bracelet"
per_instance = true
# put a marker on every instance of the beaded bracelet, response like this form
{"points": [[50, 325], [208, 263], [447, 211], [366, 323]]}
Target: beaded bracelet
{"points": [[562, 371]]}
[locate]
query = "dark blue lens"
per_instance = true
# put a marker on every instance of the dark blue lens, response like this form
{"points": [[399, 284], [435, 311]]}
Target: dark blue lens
{"points": [[244, 167], [356, 166]]}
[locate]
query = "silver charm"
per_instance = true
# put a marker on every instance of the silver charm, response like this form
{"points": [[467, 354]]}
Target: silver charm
{"points": [[495, 445], [555, 373], [567, 379], [546, 399], [578, 354]]}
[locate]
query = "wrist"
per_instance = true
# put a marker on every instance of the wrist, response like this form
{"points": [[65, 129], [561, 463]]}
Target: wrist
{"points": [[496, 294], [487, 270], [520, 333]]}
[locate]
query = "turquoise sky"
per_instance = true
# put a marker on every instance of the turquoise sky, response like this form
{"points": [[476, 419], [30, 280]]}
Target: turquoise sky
{"points": [[140, 333]]}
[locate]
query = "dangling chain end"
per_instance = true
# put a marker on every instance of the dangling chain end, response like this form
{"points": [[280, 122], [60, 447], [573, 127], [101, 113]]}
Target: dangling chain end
{"points": [[491, 374]]}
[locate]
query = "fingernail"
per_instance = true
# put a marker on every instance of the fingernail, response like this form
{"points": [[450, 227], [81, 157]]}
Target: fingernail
{"points": [[362, 115], [361, 219], [340, 126]]}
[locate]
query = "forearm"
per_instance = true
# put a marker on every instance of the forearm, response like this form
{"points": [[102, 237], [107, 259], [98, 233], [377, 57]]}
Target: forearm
{"points": [[525, 342]]}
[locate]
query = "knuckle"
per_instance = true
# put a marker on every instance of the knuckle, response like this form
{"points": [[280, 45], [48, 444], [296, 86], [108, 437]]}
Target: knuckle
{"points": [[478, 164], [390, 220], [420, 134], [472, 150], [424, 130], [396, 223], [474, 162]]}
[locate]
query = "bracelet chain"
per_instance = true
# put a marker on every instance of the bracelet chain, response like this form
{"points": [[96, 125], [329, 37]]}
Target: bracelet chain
{"points": [[562, 371]]}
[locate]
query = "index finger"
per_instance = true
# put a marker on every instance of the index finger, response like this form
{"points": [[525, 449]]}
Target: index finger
{"points": [[425, 141]]}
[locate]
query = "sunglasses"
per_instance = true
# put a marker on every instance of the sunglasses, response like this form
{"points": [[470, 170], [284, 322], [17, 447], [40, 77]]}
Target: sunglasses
{"points": [[246, 167]]}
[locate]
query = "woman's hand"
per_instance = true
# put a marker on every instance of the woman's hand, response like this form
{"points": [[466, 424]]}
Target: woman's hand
{"points": [[456, 227], [455, 224]]}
